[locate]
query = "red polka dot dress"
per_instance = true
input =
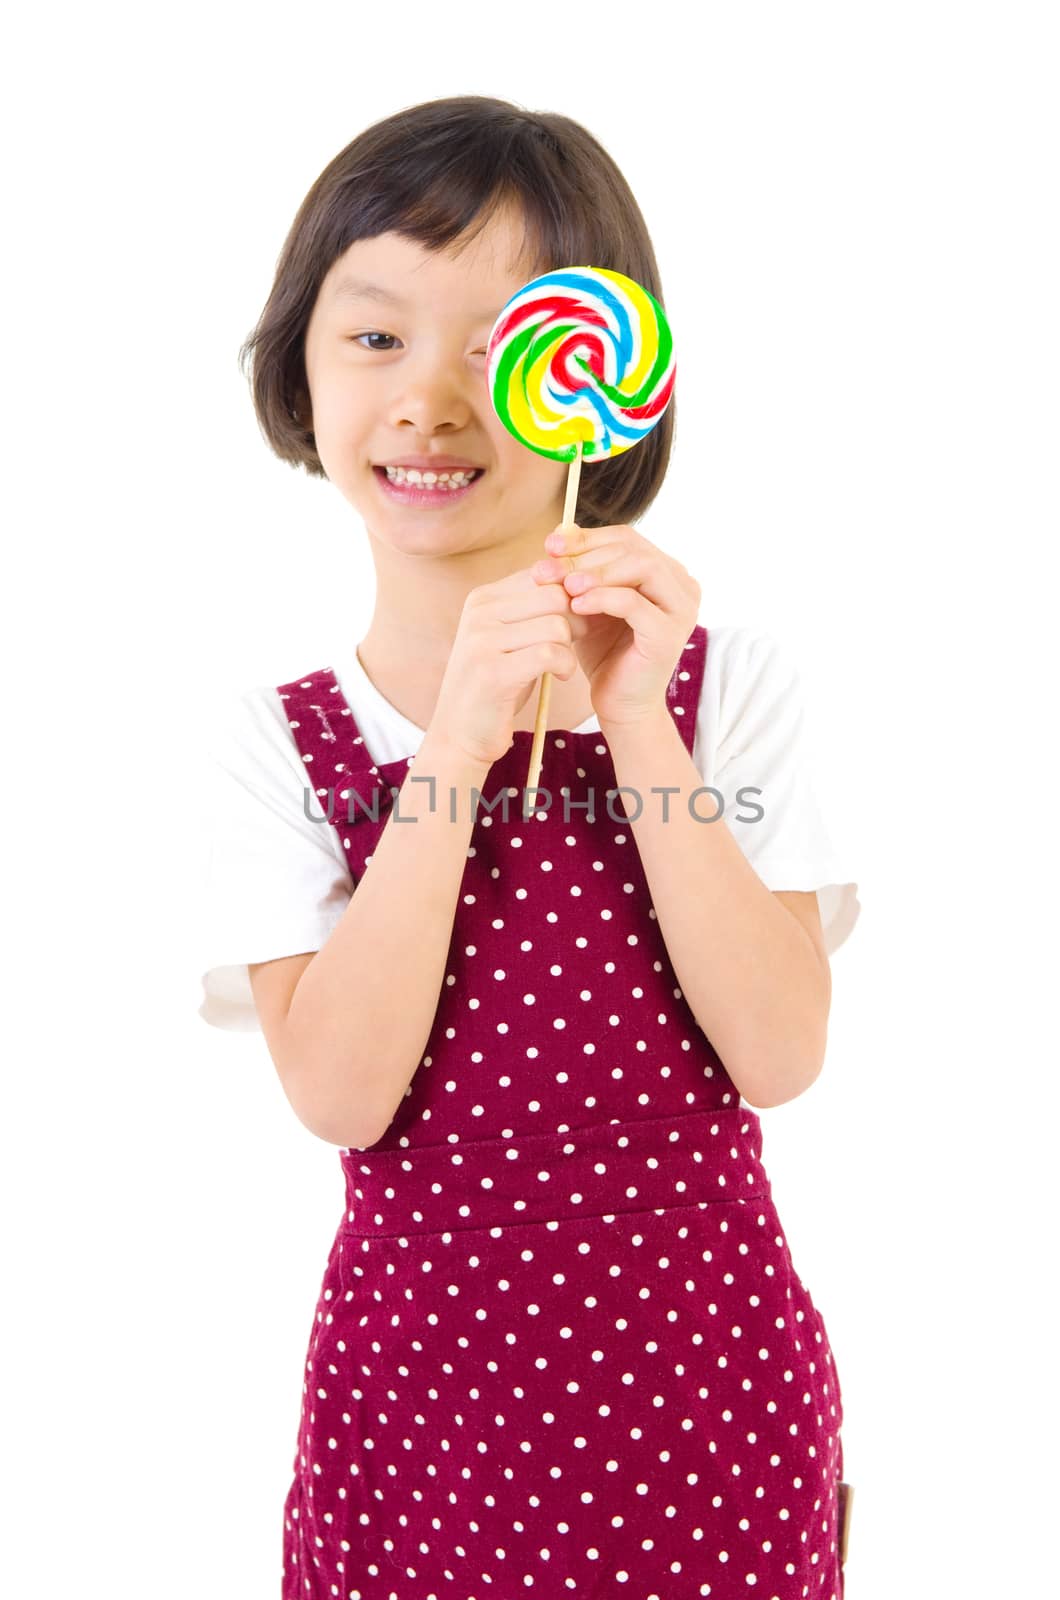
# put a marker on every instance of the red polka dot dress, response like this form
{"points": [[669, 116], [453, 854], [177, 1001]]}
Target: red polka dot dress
{"points": [[560, 1347]]}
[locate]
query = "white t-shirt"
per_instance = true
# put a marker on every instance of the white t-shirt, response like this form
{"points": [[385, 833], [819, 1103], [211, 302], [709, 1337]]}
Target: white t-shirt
{"points": [[277, 882]]}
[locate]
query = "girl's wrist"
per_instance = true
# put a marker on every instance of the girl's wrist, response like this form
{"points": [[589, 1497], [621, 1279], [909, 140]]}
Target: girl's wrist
{"points": [[635, 724], [450, 761]]}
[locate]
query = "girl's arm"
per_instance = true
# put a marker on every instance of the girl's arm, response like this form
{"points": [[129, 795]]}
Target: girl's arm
{"points": [[363, 1007], [757, 982]]}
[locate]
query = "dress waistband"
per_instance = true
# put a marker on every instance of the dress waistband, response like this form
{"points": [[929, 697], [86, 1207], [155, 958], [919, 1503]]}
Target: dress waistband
{"points": [[692, 1158]]}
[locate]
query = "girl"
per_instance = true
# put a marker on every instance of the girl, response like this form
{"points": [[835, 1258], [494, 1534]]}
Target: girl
{"points": [[560, 1343]]}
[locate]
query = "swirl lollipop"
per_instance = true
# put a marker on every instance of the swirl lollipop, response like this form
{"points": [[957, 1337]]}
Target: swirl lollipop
{"points": [[580, 366]]}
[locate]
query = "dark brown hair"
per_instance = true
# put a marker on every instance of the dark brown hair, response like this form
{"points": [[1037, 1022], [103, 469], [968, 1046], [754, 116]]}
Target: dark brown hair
{"points": [[431, 173]]}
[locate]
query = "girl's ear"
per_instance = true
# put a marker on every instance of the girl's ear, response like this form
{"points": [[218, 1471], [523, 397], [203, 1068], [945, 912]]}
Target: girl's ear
{"points": [[302, 412]]}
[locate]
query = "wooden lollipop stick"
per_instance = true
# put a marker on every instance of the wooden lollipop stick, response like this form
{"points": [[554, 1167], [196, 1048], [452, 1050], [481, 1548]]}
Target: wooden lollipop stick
{"points": [[541, 720]]}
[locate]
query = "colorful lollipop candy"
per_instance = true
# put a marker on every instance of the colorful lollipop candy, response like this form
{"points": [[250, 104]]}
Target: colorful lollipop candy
{"points": [[580, 366]]}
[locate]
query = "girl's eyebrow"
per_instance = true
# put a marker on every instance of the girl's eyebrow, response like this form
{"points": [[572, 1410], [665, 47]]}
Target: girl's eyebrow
{"points": [[348, 288]]}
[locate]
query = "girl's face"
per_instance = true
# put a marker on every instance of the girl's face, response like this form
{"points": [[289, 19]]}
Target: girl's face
{"points": [[395, 355]]}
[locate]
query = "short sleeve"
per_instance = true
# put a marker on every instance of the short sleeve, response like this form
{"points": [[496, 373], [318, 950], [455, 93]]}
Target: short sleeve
{"points": [[761, 746], [273, 882]]}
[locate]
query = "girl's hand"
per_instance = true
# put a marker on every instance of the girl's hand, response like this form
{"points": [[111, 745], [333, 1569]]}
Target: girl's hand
{"points": [[640, 606], [510, 632]]}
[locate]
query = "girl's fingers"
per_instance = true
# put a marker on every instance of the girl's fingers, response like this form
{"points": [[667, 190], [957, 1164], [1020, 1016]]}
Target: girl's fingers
{"points": [[583, 560], [654, 578], [632, 606], [576, 541]]}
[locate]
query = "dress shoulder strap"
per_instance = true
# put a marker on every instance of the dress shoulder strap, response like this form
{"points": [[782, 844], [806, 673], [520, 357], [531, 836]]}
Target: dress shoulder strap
{"points": [[343, 774], [686, 684]]}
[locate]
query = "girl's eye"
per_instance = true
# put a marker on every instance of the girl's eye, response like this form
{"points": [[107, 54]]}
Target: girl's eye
{"points": [[358, 337]]}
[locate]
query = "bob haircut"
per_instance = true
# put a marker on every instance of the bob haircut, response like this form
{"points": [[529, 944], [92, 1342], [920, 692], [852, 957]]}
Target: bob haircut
{"points": [[433, 173]]}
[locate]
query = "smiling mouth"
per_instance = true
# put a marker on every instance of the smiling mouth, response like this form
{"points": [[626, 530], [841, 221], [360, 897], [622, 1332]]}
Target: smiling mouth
{"points": [[415, 491]]}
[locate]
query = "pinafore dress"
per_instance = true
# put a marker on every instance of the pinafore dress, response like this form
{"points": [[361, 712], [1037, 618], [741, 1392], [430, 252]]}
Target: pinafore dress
{"points": [[560, 1347]]}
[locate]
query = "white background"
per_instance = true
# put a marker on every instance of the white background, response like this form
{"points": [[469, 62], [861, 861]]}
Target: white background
{"points": [[854, 210]]}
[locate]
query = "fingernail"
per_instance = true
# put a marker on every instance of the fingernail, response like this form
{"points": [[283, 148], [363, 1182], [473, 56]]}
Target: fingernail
{"points": [[555, 541]]}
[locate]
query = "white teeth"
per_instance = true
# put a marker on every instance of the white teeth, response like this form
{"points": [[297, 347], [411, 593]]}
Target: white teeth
{"points": [[449, 479]]}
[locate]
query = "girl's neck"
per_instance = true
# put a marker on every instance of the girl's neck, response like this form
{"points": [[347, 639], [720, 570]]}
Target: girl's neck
{"points": [[411, 687]]}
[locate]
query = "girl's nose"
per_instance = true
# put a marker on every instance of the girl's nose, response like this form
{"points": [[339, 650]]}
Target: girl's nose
{"points": [[432, 397]]}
